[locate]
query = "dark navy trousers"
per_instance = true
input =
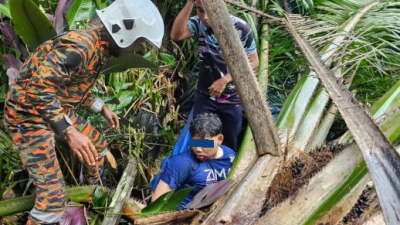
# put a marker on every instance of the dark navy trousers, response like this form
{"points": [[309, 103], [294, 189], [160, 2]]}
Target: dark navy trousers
{"points": [[230, 115]]}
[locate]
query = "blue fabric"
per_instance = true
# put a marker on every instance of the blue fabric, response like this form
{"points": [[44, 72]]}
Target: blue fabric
{"points": [[181, 145], [184, 137], [185, 170], [212, 64]]}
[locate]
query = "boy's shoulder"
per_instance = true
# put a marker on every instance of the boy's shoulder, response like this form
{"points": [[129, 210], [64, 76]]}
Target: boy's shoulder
{"points": [[183, 161], [229, 153], [227, 149], [183, 157]]}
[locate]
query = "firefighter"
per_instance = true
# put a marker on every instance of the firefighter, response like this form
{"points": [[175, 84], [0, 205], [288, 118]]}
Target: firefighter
{"points": [[53, 81]]}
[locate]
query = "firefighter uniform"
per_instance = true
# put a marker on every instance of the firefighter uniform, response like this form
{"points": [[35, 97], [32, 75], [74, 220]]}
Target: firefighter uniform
{"points": [[40, 106]]}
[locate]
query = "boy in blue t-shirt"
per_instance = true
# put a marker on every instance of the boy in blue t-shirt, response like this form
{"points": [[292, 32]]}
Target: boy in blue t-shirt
{"points": [[200, 166]]}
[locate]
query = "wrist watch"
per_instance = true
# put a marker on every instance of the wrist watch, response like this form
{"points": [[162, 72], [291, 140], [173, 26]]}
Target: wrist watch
{"points": [[68, 122], [97, 106]]}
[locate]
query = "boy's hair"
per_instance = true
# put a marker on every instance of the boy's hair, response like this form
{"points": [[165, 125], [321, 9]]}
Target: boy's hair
{"points": [[206, 124]]}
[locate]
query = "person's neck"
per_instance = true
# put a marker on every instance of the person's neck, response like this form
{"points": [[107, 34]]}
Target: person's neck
{"points": [[220, 153], [114, 49]]}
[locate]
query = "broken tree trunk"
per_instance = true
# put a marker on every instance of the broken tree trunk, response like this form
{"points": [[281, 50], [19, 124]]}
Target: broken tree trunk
{"points": [[246, 200], [258, 114], [122, 193], [247, 155], [231, 204], [380, 156]]}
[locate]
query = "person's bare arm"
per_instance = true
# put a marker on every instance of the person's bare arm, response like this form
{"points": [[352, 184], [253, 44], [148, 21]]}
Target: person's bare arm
{"points": [[161, 189], [254, 62], [180, 29], [111, 117]]}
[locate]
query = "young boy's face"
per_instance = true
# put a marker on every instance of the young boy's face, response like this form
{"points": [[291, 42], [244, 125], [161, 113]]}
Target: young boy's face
{"points": [[203, 154], [201, 13]]}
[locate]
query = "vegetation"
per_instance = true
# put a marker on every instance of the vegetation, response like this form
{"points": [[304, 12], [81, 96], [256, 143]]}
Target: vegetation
{"points": [[357, 40]]}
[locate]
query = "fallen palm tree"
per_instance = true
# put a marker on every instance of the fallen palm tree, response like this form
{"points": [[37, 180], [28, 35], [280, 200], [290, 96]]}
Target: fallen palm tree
{"points": [[377, 130], [380, 156], [234, 208]]}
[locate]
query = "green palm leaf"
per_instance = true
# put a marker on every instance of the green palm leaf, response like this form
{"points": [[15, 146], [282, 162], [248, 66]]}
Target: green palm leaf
{"points": [[4, 9], [30, 23], [81, 10], [296, 123], [166, 202], [25, 203]]}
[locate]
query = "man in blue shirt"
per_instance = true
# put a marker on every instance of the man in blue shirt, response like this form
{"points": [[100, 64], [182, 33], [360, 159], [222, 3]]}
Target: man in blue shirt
{"points": [[197, 167], [216, 92]]}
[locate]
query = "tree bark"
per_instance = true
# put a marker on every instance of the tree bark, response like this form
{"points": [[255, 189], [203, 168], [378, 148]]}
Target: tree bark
{"points": [[380, 156], [258, 114], [121, 194], [246, 201], [246, 166]]}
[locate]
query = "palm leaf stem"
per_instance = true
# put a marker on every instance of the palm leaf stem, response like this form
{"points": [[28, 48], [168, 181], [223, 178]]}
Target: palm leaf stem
{"points": [[382, 159]]}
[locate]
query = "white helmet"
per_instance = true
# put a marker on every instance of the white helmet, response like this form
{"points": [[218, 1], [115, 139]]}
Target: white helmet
{"points": [[128, 20]]}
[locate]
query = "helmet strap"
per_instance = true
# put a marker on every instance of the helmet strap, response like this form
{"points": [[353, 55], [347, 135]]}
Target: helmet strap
{"points": [[114, 48]]}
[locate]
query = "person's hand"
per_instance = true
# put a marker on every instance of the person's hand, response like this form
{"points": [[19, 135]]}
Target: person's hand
{"points": [[111, 117], [81, 145], [218, 87]]}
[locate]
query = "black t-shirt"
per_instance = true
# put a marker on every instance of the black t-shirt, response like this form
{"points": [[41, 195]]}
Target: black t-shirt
{"points": [[212, 62]]}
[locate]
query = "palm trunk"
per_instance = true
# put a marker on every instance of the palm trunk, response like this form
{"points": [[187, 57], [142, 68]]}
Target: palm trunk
{"points": [[246, 155], [256, 109], [388, 104], [232, 204], [382, 159], [247, 198]]}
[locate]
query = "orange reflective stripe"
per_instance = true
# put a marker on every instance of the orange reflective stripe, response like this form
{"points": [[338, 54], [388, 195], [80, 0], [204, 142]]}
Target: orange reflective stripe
{"points": [[87, 129]]}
